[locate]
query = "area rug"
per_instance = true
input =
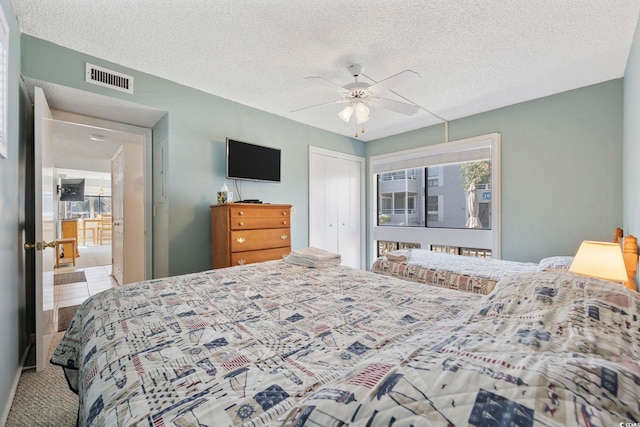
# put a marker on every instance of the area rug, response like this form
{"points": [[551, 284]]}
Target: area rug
{"points": [[65, 314], [73, 277]]}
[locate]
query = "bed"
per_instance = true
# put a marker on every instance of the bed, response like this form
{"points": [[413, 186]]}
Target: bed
{"points": [[274, 344], [463, 273], [480, 275]]}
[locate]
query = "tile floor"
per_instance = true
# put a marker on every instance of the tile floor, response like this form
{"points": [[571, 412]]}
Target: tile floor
{"points": [[95, 261], [98, 279]]}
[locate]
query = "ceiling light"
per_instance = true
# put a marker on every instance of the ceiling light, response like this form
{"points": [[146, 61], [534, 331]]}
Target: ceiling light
{"points": [[362, 112], [96, 137], [346, 113]]}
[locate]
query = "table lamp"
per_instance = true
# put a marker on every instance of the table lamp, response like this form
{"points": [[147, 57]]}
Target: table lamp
{"points": [[600, 259]]}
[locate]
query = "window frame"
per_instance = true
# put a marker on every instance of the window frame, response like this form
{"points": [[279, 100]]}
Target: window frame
{"points": [[426, 236]]}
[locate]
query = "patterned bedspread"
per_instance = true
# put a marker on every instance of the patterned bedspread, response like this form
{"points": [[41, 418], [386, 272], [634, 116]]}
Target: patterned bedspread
{"points": [[278, 344], [476, 275]]}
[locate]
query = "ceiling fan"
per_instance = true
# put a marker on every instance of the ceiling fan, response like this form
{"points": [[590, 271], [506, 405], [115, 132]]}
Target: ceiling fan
{"points": [[359, 96]]}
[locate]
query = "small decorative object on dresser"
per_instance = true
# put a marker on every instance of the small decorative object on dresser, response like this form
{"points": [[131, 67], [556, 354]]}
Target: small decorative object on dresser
{"points": [[244, 233]]}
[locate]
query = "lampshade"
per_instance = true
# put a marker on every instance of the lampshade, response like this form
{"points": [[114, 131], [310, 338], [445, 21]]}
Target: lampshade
{"points": [[346, 113], [362, 112], [600, 259]]}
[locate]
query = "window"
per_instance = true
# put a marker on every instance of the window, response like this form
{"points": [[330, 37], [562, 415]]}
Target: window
{"points": [[399, 197], [453, 187], [433, 176], [89, 207], [463, 193], [458, 197], [432, 209]]}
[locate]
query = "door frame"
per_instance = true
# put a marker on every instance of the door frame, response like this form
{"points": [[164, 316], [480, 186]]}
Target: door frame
{"points": [[147, 140], [351, 157]]}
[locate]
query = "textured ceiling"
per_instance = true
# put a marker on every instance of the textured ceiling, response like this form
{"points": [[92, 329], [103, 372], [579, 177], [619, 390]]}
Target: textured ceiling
{"points": [[472, 55]]}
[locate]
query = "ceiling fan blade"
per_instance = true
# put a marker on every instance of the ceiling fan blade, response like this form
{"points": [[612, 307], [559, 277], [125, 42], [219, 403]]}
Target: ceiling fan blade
{"points": [[341, 101], [327, 83], [397, 106], [403, 77]]}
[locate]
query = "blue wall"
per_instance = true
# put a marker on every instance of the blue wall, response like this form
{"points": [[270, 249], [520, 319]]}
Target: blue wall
{"points": [[14, 321], [631, 153], [194, 134], [561, 167]]}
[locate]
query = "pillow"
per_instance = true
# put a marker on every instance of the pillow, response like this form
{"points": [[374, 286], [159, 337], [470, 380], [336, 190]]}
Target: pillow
{"points": [[399, 255], [555, 263]]}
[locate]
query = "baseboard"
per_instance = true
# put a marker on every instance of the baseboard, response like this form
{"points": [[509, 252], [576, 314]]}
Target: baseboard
{"points": [[14, 388]]}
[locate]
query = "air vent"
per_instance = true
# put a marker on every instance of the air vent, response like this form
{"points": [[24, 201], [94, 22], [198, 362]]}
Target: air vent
{"points": [[108, 78]]}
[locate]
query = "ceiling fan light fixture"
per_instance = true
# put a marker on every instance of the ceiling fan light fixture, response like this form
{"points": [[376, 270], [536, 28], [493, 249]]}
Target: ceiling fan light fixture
{"points": [[345, 114], [362, 112]]}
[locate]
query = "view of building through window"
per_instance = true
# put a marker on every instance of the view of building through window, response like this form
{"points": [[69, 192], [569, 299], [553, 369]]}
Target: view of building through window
{"points": [[443, 196]]}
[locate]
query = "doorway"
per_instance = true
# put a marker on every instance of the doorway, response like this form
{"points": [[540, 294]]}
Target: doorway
{"points": [[89, 122], [89, 144], [57, 123]]}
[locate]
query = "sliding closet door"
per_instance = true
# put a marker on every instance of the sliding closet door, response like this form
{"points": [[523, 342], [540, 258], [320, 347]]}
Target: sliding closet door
{"points": [[335, 204]]}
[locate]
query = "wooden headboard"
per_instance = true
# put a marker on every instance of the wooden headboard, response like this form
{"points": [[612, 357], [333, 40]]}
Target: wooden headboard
{"points": [[630, 254]]}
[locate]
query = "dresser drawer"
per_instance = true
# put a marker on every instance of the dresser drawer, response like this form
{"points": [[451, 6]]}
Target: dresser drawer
{"points": [[250, 240], [249, 232], [249, 223], [259, 211], [250, 257]]}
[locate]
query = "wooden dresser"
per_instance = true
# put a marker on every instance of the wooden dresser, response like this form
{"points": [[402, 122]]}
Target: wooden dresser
{"points": [[244, 233]]}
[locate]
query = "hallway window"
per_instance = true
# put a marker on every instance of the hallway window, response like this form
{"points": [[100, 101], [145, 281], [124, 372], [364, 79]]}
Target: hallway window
{"points": [[90, 207]]}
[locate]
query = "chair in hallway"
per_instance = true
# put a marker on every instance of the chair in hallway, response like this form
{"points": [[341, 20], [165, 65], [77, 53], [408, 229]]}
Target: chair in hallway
{"points": [[89, 226], [105, 228]]}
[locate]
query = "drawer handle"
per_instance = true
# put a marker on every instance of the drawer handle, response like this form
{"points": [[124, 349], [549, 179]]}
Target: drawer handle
{"points": [[241, 223], [284, 213], [242, 262], [284, 256], [240, 213], [283, 236], [240, 239], [284, 222]]}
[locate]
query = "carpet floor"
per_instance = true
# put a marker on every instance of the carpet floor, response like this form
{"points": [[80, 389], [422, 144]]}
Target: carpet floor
{"points": [[43, 399]]}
